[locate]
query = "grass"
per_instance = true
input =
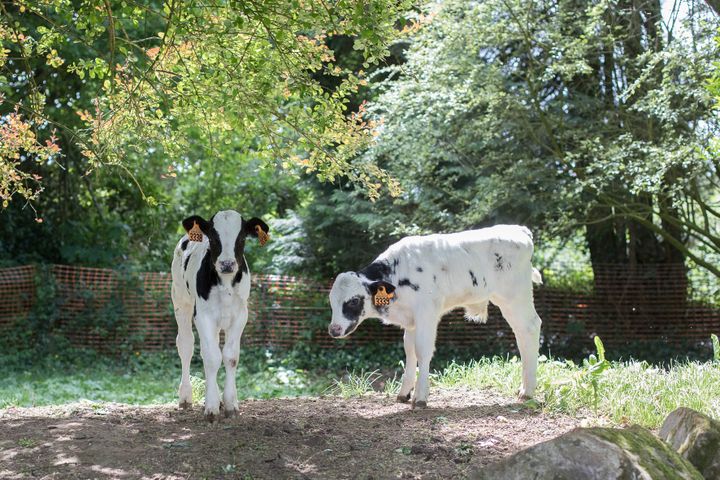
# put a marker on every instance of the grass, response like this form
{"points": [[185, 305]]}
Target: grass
{"points": [[618, 392], [628, 392], [143, 379]]}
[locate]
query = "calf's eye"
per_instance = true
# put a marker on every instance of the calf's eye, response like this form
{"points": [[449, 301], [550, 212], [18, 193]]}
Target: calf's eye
{"points": [[354, 302]]}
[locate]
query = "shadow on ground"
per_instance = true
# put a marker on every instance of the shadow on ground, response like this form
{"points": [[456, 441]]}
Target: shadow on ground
{"points": [[327, 437]]}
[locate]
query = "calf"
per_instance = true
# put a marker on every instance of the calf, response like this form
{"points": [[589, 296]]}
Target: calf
{"points": [[419, 278], [211, 285]]}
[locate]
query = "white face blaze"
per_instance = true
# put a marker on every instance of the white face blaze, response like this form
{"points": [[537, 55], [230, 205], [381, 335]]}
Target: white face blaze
{"points": [[350, 304], [228, 224]]}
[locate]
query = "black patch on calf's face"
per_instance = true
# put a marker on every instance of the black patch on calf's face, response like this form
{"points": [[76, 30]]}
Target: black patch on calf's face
{"points": [[240, 248], [473, 278], [243, 269], [184, 244], [353, 308], [207, 276], [377, 271], [215, 245], [407, 283]]}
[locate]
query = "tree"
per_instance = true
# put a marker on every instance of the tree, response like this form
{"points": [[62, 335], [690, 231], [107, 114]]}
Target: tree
{"points": [[182, 101], [554, 114]]}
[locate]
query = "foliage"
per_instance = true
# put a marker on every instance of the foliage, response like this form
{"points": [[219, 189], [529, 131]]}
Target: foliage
{"points": [[161, 76], [555, 115], [586, 378], [715, 347], [166, 109], [19, 143]]}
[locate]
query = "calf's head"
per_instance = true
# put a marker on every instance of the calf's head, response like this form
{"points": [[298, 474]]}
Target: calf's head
{"points": [[226, 232], [353, 298]]}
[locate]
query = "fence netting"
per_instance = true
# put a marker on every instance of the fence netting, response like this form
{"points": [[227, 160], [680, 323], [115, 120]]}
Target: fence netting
{"points": [[102, 308]]}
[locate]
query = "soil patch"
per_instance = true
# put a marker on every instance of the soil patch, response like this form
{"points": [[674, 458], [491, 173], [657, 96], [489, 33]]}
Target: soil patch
{"points": [[326, 437]]}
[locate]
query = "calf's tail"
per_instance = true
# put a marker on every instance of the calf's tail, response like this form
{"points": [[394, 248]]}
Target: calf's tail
{"points": [[536, 277]]}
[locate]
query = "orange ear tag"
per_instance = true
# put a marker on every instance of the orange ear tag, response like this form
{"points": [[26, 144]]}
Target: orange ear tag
{"points": [[195, 234], [263, 236], [381, 297]]}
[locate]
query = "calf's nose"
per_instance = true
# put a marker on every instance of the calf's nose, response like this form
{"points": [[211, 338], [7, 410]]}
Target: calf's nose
{"points": [[335, 330], [227, 266]]}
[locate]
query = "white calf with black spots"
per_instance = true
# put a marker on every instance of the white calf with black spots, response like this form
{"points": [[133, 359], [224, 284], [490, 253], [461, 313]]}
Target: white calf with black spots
{"points": [[211, 285], [418, 279]]}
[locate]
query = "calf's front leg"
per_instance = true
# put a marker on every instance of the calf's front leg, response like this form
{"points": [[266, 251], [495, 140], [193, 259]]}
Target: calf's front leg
{"points": [[408, 379], [231, 354], [210, 352], [425, 333]]}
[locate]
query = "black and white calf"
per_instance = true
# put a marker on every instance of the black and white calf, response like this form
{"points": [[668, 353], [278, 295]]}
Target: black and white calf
{"points": [[419, 278], [211, 284]]}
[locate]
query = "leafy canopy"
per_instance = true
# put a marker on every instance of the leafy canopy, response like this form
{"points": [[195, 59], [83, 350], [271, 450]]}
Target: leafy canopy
{"points": [[150, 75]]}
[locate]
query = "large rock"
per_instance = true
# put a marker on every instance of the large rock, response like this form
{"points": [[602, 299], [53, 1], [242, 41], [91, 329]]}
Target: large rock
{"points": [[595, 453], [696, 437]]}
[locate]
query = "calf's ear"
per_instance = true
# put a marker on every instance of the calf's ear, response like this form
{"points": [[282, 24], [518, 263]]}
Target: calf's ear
{"points": [[382, 292], [258, 229], [195, 226]]}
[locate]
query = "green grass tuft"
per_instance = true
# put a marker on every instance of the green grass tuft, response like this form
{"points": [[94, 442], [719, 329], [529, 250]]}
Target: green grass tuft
{"points": [[627, 392], [355, 384]]}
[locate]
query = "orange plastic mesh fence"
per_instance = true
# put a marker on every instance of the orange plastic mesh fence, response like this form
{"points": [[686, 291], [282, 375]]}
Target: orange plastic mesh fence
{"points": [[102, 308], [17, 294]]}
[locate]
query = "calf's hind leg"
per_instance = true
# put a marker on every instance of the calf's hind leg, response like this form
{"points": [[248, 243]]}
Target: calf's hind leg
{"points": [[525, 324], [185, 342]]}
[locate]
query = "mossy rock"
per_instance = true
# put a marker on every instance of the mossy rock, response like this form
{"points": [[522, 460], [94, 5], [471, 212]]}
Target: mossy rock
{"points": [[595, 453], [696, 437]]}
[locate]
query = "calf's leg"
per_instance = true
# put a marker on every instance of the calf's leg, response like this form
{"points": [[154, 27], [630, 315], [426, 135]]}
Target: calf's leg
{"points": [[425, 333], [185, 342], [525, 324], [210, 352], [408, 379], [230, 355]]}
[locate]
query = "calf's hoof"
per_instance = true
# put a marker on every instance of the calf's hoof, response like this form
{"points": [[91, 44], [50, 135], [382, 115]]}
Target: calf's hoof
{"points": [[522, 395], [403, 398], [231, 413], [419, 404], [212, 417], [185, 405]]}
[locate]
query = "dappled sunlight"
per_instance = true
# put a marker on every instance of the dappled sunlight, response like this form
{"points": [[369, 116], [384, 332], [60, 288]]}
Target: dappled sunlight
{"points": [[64, 459], [285, 437], [110, 472]]}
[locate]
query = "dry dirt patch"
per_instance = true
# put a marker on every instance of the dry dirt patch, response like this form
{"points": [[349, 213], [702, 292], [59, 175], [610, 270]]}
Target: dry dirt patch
{"points": [[327, 437]]}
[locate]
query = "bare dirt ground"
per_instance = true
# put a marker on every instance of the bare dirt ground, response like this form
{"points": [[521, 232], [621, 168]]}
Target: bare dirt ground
{"points": [[327, 437]]}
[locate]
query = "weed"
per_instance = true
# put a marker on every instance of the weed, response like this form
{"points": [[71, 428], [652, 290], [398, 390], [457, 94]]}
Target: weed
{"points": [[404, 450], [27, 442], [354, 384]]}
